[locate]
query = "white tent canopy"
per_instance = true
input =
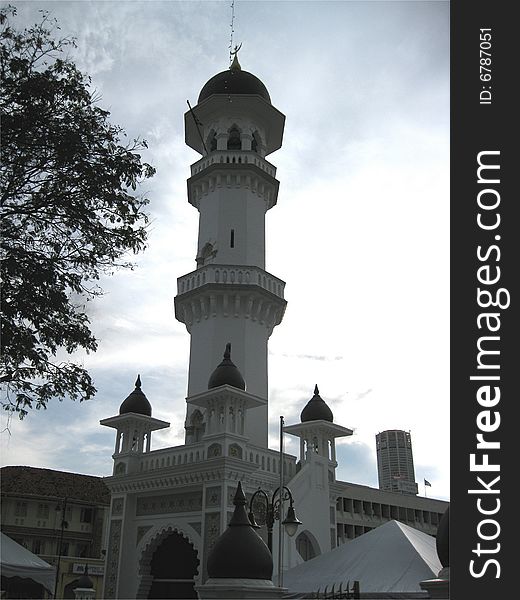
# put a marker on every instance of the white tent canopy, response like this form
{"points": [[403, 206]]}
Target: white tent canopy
{"points": [[389, 560], [17, 561]]}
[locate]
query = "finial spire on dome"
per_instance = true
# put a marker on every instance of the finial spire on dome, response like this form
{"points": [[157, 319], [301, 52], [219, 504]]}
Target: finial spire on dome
{"points": [[316, 390], [227, 351], [138, 381], [240, 515], [235, 65]]}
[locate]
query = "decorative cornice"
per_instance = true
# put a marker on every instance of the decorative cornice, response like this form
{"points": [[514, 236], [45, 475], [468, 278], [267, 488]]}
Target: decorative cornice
{"points": [[233, 175], [230, 300]]}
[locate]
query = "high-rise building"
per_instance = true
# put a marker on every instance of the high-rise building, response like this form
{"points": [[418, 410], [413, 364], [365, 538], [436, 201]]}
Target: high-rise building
{"points": [[395, 462]]}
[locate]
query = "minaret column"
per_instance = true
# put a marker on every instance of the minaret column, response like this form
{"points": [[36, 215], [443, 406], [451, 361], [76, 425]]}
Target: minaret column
{"points": [[230, 297]]}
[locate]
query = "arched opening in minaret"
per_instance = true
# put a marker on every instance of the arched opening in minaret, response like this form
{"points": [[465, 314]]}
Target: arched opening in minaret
{"points": [[212, 141], [234, 142], [197, 426], [255, 142], [174, 567]]}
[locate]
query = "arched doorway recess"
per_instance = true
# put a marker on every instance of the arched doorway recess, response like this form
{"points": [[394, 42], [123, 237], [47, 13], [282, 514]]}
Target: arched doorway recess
{"points": [[172, 564]]}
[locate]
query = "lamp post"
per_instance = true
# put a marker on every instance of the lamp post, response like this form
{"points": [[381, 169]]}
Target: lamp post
{"points": [[272, 505], [64, 524]]}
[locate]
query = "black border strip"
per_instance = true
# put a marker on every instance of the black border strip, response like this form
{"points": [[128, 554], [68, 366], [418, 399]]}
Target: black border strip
{"points": [[483, 128]]}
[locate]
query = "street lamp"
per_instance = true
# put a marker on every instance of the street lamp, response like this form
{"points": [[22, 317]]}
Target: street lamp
{"points": [[64, 524], [272, 506]]}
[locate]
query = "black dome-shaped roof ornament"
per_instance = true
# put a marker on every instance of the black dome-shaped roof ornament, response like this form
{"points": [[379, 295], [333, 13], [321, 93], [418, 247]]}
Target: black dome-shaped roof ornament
{"points": [[226, 373], [234, 81], [84, 582], [316, 409], [240, 553], [136, 402]]}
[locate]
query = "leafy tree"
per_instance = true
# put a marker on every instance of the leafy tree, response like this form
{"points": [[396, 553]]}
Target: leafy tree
{"points": [[70, 213]]}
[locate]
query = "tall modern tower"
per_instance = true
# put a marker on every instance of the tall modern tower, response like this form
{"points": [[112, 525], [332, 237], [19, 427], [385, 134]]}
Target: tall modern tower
{"points": [[395, 462], [230, 297]]}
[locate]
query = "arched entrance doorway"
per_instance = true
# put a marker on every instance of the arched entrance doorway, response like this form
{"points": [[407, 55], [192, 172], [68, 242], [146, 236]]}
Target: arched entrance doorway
{"points": [[173, 567]]}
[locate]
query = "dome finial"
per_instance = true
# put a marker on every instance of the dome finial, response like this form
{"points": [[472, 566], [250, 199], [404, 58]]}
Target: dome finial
{"points": [[235, 65], [227, 351], [138, 382], [316, 390]]}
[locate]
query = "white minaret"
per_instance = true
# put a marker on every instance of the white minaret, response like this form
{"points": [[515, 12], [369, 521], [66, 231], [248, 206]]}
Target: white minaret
{"points": [[230, 297]]}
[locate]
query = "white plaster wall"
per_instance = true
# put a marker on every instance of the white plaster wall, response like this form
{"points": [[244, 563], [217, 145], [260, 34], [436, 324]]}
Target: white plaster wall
{"points": [[310, 489], [243, 211]]}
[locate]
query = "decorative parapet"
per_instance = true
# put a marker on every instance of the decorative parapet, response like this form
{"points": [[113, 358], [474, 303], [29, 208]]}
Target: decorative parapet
{"points": [[231, 275], [239, 157], [264, 459], [233, 169]]}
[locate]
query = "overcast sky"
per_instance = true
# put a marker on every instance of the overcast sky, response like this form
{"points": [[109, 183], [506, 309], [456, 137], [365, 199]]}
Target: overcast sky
{"points": [[360, 232]]}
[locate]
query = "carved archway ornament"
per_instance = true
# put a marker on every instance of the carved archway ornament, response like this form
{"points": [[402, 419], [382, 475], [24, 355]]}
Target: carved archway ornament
{"points": [[149, 544]]}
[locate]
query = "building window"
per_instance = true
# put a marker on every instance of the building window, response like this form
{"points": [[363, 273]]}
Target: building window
{"points": [[86, 515], [65, 549], [38, 546], [43, 511], [21, 509], [232, 239]]}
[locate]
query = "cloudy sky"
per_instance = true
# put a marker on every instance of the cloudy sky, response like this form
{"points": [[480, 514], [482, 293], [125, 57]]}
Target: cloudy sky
{"points": [[360, 232]]}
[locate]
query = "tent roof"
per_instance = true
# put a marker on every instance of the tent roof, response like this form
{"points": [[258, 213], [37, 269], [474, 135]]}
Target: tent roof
{"points": [[391, 558], [17, 561]]}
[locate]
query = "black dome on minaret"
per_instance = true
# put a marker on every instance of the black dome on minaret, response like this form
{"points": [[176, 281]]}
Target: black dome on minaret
{"points": [[84, 582], [136, 402], [234, 81], [316, 409], [226, 373]]}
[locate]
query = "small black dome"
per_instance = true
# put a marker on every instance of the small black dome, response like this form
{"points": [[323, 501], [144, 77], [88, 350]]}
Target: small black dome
{"points": [[136, 402], [234, 81], [240, 553], [316, 409], [226, 373], [84, 582], [443, 539]]}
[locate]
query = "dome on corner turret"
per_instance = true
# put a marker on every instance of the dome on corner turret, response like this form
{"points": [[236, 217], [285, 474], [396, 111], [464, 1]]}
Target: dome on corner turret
{"points": [[136, 402], [234, 81], [316, 409], [226, 373]]}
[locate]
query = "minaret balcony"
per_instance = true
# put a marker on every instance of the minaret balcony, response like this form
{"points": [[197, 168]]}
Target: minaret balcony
{"points": [[231, 275], [233, 157]]}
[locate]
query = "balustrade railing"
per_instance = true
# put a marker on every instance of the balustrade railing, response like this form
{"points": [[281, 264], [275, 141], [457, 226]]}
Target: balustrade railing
{"points": [[233, 157], [230, 274]]}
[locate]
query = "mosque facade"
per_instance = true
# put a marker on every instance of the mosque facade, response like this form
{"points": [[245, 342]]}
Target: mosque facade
{"points": [[175, 502]]}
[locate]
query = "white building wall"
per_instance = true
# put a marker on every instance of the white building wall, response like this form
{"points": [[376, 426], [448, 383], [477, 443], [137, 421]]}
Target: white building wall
{"points": [[310, 490], [239, 209]]}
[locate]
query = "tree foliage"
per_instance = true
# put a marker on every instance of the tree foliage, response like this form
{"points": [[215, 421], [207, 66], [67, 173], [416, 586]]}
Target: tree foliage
{"points": [[70, 212]]}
